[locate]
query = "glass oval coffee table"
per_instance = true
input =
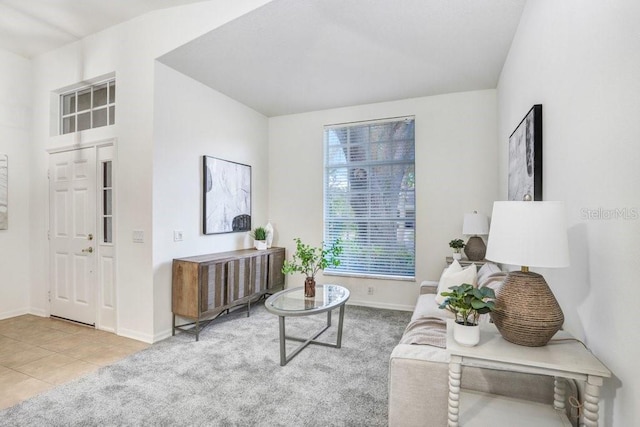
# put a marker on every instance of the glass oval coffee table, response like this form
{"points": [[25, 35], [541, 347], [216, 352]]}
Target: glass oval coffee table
{"points": [[292, 302]]}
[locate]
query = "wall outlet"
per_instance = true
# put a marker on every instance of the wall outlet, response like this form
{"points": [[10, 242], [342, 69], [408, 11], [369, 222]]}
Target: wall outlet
{"points": [[177, 235], [370, 290]]}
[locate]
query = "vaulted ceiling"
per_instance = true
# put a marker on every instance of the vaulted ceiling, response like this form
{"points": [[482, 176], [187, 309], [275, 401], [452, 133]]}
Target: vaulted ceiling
{"points": [[292, 56]]}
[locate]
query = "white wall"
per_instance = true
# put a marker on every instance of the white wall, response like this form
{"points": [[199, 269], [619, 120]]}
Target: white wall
{"points": [[456, 173], [129, 50], [15, 111], [192, 120], [581, 61]]}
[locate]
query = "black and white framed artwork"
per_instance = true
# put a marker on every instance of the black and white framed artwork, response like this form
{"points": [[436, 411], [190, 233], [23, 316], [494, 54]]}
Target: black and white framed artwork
{"points": [[226, 196], [525, 157]]}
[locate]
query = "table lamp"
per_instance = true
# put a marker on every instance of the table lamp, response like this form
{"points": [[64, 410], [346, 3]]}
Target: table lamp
{"points": [[529, 234], [475, 224]]}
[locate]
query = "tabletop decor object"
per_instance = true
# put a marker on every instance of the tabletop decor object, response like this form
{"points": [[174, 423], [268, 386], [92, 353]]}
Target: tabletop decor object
{"points": [[270, 231], [457, 245], [259, 235], [308, 260], [475, 225], [467, 303], [528, 234]]}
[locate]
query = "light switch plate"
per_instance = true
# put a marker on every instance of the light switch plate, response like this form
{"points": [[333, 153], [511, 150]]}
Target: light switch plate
{"points": [[138, 236], [177, 235]]}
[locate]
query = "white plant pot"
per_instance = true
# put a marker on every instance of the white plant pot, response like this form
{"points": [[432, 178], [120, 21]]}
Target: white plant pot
{"points": [[466, 335], [457, 255], [260, 244]]}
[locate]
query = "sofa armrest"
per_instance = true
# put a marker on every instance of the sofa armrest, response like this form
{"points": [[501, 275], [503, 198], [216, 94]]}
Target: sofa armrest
{"points": [[428, 287], [418, 386]]}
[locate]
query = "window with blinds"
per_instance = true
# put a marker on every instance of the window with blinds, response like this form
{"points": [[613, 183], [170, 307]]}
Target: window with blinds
{"points": [[369, 196]]}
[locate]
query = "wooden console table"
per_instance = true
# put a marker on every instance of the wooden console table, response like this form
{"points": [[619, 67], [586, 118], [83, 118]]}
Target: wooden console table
{"points": [[205, 286], [564, 358]]}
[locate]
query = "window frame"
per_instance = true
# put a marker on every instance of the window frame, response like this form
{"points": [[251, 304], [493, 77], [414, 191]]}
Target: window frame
{"points": [[106, 213], [109, 106], [393, 266]]}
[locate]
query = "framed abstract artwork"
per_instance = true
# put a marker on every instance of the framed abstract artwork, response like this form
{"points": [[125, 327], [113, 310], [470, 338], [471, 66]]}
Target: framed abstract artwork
{"points": [[4, 192], [525, 157], [226, 196]]}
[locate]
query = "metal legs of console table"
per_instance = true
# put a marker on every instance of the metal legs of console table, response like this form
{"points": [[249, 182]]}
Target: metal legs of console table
{"points": [[194, 328], [284, 359]]}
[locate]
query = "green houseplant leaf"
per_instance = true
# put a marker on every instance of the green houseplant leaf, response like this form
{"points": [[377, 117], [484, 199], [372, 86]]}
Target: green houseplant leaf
{"points": [[456, 245], [308, 259], [260, 233], [468, 302]]}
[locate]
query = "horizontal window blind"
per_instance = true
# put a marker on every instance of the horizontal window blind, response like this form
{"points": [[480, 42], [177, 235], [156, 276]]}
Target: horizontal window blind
{"points": [[369, 196]]}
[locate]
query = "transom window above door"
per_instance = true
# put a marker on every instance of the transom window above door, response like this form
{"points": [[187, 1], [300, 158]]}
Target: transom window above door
{"points": [[88, 107]]}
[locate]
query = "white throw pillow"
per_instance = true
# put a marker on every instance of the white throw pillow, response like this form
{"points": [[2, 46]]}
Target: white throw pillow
{"points": [[485, 271], [456, 276], [455, 267]]}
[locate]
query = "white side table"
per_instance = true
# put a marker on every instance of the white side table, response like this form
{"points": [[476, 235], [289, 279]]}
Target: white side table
{"points": [[561, 359]]}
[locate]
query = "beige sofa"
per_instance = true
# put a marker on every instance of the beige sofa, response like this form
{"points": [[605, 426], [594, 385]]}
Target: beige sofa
{"points": [[418, 377]]}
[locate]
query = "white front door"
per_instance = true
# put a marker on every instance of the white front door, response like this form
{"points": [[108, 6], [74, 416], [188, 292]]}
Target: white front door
{"points": [[72, 222]]}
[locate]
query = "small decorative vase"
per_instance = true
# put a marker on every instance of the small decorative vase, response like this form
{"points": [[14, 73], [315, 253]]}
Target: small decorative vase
{"points": [[269, 229], [260, 244], [310, 287], [466, 335], [457, 255]]}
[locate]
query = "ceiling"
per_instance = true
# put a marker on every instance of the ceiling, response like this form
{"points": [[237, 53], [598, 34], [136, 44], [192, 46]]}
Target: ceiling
{"points": [[292, 56], [31, 27]]}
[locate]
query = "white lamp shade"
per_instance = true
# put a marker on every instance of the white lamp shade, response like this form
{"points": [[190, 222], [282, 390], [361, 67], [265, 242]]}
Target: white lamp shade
{"points": [[532, 234], [475, 224]]}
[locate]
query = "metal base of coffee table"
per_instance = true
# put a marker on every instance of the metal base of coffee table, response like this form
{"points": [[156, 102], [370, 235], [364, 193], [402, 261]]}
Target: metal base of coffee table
{"points": [[292, 302], [284, 359]]}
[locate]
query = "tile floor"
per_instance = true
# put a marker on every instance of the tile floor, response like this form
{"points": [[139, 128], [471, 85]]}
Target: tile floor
{"points": [[38, 353]]}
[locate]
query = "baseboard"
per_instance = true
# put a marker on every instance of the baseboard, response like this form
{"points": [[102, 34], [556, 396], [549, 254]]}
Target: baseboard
{"points": [[162, 335], [135, 335], [13, 313], [382, 305], [39, 312], [111, 330]]}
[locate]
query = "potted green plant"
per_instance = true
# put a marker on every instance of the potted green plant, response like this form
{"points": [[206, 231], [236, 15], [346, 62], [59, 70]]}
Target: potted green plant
{"points": [[259, 235], [457, 245], [308, 260], [467, 303]]}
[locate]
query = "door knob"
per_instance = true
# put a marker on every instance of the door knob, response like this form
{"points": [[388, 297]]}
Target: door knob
{"points": [[89, 249], [90, 236]]}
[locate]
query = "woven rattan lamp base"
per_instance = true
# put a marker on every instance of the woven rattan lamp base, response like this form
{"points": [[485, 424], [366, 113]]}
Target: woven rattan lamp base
{"points": [[526, 311]]}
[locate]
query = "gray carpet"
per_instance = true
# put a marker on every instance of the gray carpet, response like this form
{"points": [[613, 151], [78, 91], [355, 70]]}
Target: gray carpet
{"points": [[232, 377]]}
